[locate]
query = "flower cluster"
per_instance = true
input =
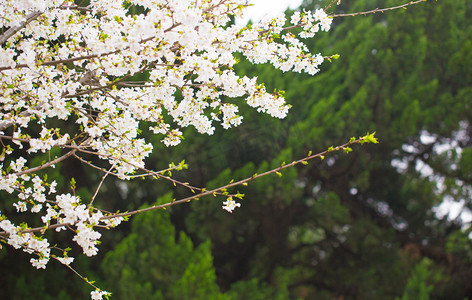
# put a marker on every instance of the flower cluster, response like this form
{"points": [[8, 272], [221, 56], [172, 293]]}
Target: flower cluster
{"points": [[60, 62], [98, 294], [29, 242], [311, 23]]}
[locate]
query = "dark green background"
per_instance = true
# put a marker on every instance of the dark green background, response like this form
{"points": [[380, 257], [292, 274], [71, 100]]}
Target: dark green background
{"points": [[349, 227]]}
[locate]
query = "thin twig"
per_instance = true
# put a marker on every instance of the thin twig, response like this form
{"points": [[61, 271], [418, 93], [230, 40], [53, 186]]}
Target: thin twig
{"points": [[78, 274], [147, 172], [378, 10], [203, 193], [48, 164], [100, 185], [236, 183]]}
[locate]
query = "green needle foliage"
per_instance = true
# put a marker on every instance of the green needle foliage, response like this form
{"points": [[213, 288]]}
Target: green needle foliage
{"points": [[355, 225], [155, 262]]}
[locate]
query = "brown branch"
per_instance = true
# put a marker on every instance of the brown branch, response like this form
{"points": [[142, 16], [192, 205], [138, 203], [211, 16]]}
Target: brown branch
{"points": [[100, 185], [48, 164], [237, 183], [4, 124], [147, 172], [53, 162], [378, 10], [76, 7], [13, 30], [98, 88], [91, 283], [204, 193]]}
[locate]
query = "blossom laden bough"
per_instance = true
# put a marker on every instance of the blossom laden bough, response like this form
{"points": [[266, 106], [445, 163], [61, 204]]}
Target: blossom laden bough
{"points": [[65, 62], [77, 66]]}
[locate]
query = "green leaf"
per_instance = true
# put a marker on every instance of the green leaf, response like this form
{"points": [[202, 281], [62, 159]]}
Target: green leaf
{"points": [[73, 183], [369, 138]]}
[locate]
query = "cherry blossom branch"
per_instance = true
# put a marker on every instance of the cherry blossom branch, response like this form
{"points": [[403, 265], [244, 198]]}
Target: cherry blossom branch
{"points": [[13, 30], [65, 146], [78, 274], [4, 124], [29, 18], [288, 28], [158, 174], [147, 173], [368, 138], [331, 3], [46, 165], [76, 7], [85, 57], [51, 162], [91, 283], [78, 58]]}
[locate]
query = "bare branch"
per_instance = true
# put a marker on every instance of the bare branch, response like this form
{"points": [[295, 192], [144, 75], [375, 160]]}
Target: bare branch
{"points": [[206, 193], [378, 10], [48, 164], [100, 185], [237, 183]]}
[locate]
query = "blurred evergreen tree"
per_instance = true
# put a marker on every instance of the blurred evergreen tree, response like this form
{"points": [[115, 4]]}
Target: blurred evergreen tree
{"points": [[156, 262], [357, 226], [354, 226]]}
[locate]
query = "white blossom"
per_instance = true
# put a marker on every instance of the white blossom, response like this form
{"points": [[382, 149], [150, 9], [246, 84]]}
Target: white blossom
{"points": [[188, 49], [65, 260], [97, 294], [229, 205], [39, 263]]}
